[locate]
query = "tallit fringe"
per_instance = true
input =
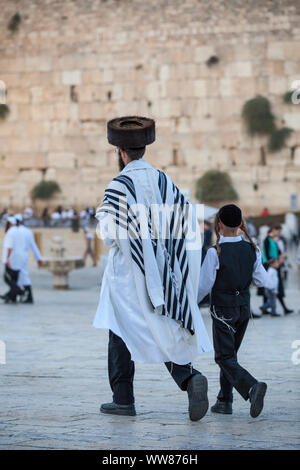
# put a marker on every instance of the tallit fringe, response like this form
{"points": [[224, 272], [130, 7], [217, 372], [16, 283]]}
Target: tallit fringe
{"points": [[221, 319]]}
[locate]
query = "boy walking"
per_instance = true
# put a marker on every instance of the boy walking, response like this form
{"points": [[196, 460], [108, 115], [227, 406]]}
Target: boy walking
{"points": [[271, 288], [227, 272]]}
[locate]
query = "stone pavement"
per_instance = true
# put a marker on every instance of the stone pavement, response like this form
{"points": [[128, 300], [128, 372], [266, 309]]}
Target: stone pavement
{"points": [[55, 378]]}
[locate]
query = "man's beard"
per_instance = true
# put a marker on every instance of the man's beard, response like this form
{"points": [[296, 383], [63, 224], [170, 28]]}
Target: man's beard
{"points": [[121, 163]]}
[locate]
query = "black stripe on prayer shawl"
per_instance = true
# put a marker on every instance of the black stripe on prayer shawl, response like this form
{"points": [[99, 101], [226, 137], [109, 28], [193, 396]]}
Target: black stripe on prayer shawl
{"points": [[176, 308], [127, 182], [133, 226]]}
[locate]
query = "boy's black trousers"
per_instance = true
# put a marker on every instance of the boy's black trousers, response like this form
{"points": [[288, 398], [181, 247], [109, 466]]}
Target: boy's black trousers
{"points": [[121, 371], [229, 326]]}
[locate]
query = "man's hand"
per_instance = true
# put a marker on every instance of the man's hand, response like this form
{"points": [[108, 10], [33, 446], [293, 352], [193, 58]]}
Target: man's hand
{"points": [[39, 263], [8, 264]]}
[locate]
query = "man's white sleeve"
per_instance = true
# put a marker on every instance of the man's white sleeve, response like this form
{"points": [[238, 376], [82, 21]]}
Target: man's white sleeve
{"points": [[34, 248], [208, 273], [259, 275]]}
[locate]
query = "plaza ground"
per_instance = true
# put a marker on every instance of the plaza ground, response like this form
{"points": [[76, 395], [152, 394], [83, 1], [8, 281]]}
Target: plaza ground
{"points": [[55, 379]]}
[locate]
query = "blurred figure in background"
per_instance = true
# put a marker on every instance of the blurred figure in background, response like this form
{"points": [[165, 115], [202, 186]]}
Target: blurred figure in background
{"points": [[207, 238], [11, 263], [89, 237], [264, 212], [23, 242], [271, 288], [271, 250], [46, 217]]}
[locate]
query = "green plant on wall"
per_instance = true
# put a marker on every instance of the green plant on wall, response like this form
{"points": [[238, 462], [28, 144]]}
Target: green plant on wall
{"points": [[45, 189], [287, 97], [4, 111], [215, 185], [14, 22], [258, 116], [260, 121], [278, 138]]}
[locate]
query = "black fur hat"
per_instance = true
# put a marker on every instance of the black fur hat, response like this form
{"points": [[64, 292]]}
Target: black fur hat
{"points": [[131, 132], [230, 215]]}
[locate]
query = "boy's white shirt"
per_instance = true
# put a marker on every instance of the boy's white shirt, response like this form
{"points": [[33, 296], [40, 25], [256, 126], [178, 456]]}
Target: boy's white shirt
{"points": [[211, 264]]}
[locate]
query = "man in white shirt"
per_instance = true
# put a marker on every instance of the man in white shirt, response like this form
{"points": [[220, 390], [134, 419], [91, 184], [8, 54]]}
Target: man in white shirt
{"points": [[20, 243], [12, 270]]}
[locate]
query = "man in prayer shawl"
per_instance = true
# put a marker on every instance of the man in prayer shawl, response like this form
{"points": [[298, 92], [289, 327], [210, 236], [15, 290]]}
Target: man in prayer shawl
{"points": [[148, 298]]}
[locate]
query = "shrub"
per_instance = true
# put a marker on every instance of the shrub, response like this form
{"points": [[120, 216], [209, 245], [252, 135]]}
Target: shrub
{"points": [[215, 185], [14, 22], [45, 190], [258, 116], [278, 138], [4, 111], [287, 97]]}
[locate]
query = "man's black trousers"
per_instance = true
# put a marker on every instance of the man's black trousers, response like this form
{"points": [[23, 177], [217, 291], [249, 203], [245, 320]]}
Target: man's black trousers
{"points": [[11, 279], [229, 326], [121, 371]]}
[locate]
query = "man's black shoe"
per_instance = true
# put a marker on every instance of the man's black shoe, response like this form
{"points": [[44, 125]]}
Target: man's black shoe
{"points": [[256, 396], [114, 409], [27, 301], [222, 407], [275, 315], [287, 311], [197, 393]]}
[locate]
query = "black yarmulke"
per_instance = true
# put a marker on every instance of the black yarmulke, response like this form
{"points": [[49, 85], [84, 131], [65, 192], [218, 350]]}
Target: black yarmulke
{"points": [[131, 132], [230, 215]]}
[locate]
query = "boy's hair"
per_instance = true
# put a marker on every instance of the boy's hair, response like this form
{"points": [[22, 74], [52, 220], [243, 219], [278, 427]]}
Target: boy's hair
{"points": [[243, 227]]}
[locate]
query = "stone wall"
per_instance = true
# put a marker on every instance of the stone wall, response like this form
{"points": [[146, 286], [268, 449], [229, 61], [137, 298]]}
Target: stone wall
{"points": [[72, 65]]}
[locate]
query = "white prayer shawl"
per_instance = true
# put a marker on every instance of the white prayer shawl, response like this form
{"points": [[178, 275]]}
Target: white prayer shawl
{"points": [[148, 294]]}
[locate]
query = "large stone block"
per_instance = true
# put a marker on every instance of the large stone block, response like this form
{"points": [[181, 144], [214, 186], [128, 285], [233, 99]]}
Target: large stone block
{"points": [[71, 77], [61, 159]]}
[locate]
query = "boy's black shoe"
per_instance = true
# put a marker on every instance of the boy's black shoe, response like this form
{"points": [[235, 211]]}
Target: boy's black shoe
{"points": [[114, 409], [287, 311], [222, 407], [256, 396], [275, 315], [255, 315], [197, 393]]}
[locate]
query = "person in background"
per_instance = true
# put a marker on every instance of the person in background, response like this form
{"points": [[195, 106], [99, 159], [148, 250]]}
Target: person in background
{"points": [[28, 213], [46, 217], [12, 268], [264, 212], [89, 237], [207, 237], [271, 287], [24, 242], [251, 228], [271, 250]]}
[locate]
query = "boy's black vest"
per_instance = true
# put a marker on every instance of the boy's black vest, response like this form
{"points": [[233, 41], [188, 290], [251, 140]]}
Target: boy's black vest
{"points": [[234, 276]]}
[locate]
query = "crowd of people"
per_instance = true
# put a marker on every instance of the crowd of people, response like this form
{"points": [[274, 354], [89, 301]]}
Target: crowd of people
{"points": [[60, 216]]}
